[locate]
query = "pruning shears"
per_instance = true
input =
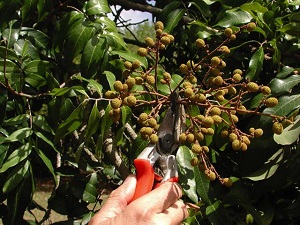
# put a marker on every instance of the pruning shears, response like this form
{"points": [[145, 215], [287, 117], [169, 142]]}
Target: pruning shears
{"points": [[157, 162]]}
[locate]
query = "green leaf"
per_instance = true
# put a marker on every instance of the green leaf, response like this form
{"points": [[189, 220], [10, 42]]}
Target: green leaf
{"points": [[70, 124], [16, 157], [19, 135], [233, 18], [7, 11], [115, 40], [269, 168], [97, 7], [26, 49], [35, 80], [286, 70], [111, 78], [65, 26], [44, 7], [15, 176], [37, 66], [19, 119], [217, 214], [37, 37], [93, 84], [202, 185], [46, 140], [86, 189], [92, 55], [173, 19], [28, 8], [126, 114], [253, 6], [255, 65], [3, 153], [8, 53], [286, 104], [280, 86], [42, 123], [93, 122], [19, 198], [290, 134], [77, 40], [186, 177], [47, 162], [131, 56]]}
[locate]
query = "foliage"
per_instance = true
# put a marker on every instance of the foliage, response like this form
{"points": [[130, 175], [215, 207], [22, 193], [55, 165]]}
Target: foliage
{"points": [[59, 63]]}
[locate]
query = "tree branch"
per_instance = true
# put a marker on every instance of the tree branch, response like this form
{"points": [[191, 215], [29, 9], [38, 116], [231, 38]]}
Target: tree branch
{"points": [[127, 5]]}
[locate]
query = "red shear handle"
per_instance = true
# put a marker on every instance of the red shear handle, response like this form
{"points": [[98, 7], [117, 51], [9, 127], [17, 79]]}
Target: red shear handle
{"points": [[145, 177]]}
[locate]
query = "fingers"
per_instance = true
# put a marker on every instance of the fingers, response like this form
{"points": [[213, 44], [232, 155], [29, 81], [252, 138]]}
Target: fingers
{"points": [[161, 198], [176, 213]]}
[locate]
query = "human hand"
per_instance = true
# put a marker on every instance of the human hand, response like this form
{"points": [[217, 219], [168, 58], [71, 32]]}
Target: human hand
{"points": [[160, 206]]}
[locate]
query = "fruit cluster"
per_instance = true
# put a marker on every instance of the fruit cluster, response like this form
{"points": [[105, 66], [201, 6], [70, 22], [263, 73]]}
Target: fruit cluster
{"points": [[218, 96]]}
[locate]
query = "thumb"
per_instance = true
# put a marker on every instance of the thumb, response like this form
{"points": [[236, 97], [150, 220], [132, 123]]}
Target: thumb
{"points": [[117, 200]]}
